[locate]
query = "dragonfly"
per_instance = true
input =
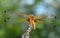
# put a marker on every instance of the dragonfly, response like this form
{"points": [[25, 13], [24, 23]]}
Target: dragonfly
{"points": [[32, 19]]}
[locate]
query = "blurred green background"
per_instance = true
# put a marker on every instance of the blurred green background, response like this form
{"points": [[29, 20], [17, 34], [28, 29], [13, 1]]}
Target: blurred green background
{"points": [[11, 27]]}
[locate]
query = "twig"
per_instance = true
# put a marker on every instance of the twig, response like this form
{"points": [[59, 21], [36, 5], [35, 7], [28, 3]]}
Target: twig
{"points": [[27, 33]]}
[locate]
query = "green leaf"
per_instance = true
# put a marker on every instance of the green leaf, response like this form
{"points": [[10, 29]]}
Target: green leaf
{"points": [[39, 26]]}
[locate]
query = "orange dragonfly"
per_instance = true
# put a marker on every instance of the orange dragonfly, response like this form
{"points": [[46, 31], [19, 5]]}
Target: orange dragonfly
{"points": [[32, 19]]}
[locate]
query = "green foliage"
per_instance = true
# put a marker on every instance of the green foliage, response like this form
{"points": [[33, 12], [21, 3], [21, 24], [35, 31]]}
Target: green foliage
{"points": [[47, 21], [39, 26], [2, 32], [35, 33], [9, 4], [57, 22]]}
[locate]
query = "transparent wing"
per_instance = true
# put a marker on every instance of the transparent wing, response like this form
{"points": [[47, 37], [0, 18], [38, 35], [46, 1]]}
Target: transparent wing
{"points": [[22, 17], [39, 21], [37, 17]]}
